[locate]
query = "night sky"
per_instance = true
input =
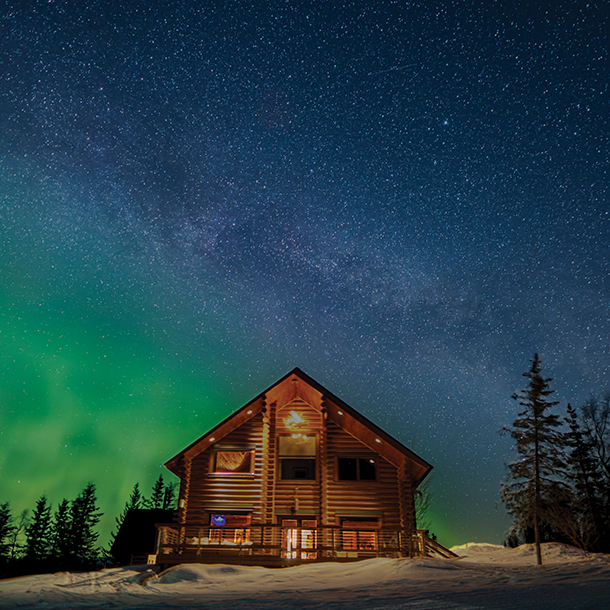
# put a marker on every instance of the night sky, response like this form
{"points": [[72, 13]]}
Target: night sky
{"points": [[406, 200]]}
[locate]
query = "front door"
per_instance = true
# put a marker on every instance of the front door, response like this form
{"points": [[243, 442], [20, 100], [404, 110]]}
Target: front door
{"points": [[299, 538]]}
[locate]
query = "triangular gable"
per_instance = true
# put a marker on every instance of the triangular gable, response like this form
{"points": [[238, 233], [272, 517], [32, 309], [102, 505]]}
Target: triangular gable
{"points": [[367, 432], [293, 389], [281, 390], [298, 388]]}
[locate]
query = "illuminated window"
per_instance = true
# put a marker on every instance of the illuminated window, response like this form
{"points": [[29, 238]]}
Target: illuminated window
{"points": [[298, 445], [360, 534], [356, 469], [230, 530], [234, 462], [299, 538], [297, 454]]}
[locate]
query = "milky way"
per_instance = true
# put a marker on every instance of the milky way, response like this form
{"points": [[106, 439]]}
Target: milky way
{"points": [[405, 200]]}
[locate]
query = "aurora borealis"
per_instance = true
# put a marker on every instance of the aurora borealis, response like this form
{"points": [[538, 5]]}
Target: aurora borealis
{"points": [[406, 200]]}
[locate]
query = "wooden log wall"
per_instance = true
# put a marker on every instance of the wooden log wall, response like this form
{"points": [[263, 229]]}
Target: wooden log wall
{"points": [[269, 472], [209, 492], [302, 496], [346, 498], [183, 498], [312, 417], [269, 499], [323, 469]]}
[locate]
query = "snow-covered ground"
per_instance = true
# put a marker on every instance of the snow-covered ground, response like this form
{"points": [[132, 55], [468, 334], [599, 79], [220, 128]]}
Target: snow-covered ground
{"points": [[485, 576]]}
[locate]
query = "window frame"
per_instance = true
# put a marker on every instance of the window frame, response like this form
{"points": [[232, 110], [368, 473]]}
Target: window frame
{"points": [[358, 458], [297, 457], [233, 449], [360, 534], [229, 535]]}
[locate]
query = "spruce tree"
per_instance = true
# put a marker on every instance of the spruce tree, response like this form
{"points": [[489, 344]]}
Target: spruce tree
{"points": [[135, 501], [535, 478], [169, 496], [62, 533], [38, 532], [85, 516], [6, 530], [156, 500]]}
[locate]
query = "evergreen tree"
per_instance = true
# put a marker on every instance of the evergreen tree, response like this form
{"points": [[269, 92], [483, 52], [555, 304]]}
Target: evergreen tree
{"points": [[62, 533], [163, 495], [586, 524], [579, 515], [85, 516], [135, 501], [169, 496], [156, 500], [7, 529], [38, 532], [535, 479]]}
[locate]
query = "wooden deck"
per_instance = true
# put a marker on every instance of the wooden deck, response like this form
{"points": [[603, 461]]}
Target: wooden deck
{"points": [[280, 546]]}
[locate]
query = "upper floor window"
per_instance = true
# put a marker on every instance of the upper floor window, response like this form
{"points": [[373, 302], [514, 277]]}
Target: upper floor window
{"points": [[297, 453], [356, 469], [234, 461]]}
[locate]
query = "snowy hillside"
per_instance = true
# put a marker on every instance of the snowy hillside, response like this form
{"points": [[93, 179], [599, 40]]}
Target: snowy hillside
{"points": [[485, 576]]}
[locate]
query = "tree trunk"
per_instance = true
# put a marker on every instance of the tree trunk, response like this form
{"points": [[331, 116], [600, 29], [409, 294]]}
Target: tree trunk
{"points": [[537, 501], [537, 541]]}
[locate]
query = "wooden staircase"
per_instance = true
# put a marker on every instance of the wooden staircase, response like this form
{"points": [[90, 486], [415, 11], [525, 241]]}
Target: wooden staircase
{"points": [[432, 548]]}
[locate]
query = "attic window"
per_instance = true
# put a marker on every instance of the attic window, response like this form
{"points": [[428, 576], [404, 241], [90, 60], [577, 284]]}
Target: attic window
{"points": [[234, 462]]}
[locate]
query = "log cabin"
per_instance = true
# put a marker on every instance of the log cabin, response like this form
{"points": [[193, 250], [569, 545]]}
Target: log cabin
{"points": [[295, 475]]}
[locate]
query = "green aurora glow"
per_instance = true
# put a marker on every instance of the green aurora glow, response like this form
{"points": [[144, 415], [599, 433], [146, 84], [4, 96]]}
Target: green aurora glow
{"points": [[404, 200]]}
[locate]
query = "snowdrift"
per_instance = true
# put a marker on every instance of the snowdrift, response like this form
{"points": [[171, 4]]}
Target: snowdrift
{"points": [[484, 576]]}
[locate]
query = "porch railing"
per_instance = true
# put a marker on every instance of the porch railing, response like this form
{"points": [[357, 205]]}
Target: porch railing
{"points": [[193, 542]]}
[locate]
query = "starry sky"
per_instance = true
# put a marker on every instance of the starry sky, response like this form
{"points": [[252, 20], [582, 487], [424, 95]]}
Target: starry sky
{"points": [[407, 200]]}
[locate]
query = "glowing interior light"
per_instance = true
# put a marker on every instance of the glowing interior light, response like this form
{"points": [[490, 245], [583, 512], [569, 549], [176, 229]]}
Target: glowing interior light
{"points": [[212, 439], [250, 412], [340, 412], [219, 520], [377, 440], [294, 421]]}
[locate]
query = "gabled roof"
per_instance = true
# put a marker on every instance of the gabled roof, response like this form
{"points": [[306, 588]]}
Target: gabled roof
{"points": [[339, 412]]}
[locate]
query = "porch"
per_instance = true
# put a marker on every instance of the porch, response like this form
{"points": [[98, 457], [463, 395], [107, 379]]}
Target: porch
{"points": [[282, 545]]}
